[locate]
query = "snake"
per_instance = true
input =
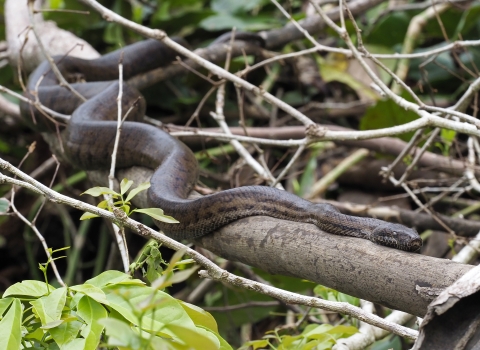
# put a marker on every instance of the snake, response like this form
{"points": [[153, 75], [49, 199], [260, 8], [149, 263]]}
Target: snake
{"points": [[89, 136]]}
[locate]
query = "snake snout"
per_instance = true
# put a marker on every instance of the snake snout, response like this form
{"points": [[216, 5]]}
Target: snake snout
{"points": [[397, 236]]}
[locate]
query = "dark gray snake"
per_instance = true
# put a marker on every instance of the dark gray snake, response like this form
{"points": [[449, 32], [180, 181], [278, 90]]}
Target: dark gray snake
{"points": [[89, 137]]}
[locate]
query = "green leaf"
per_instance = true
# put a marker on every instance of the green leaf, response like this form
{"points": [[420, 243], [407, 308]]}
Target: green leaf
{"points": [[102, 205], [255, 344], [341, 331], [235, 6], [4, 205], [108, 277], [120, 333], [468, 21], [153, 272], [157, 214], [183, 275], [49, 308], [125, 208], [91, 311], [77, 344], [162, 314], [28, 288], [199, 316], [385, 114], [448, 135], [312, 331], [142, 187], [52, 324], [335, 68], [98, 191], [11, 327], [66, 333], [113, 34], [87, 216], [222, 21], [395, 25], [348, 299], [4, 304], [131, 282], [92, 291], [308, 177], [125, 186]]}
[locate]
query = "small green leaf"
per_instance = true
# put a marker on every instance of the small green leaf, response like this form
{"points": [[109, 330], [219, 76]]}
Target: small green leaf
{"points": [[92, 291], [183, 275], [448, 135], [52, 324], [385, 114], [77, 344], [157, 214], [119, 333], [91, 311], [126, 209], [49, 308], [4, 205], [108, 277], [66, 333], [152, 273], [142, 187], [87, 216], [199, 316], [11, 327], [28, 288], [103, 204], [256, 344], [341, 331], [4, 304], [98, 191], [125, 186]]}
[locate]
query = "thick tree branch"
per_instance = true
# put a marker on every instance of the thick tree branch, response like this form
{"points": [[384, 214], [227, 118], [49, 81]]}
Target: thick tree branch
{"points": [[354, 266]]}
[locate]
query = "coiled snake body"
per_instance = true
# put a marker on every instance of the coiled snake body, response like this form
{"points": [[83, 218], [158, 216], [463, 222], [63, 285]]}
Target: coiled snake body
{"points": [[89, 137]]}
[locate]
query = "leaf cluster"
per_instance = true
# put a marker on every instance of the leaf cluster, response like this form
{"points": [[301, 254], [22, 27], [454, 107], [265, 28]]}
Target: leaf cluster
{"points": [[124, 204], [318, 337], [111, 309]]}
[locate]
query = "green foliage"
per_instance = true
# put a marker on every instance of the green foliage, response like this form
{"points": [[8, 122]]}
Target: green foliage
{"points": [[124, 203], [127, 312], [314, 336], [11, 325], [335, 68], [468, 24], [157, 271], [333, 295], [447, 137], [395, 25], [309, 175], [385, 114], [4, 205], [389, 343], [233, 13]]}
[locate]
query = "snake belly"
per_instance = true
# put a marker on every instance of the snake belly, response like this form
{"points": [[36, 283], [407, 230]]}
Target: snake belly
{"points": [[89, 137]]}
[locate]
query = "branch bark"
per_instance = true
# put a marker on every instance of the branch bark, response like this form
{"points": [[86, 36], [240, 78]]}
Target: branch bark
{"points": [[386, 145], [393, 278]]}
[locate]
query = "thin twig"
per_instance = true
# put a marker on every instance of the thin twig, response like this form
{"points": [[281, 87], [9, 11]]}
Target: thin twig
{"points": [[213, 270]]}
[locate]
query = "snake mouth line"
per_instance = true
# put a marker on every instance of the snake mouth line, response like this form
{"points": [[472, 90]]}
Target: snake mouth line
{"points": [[410, 246]]}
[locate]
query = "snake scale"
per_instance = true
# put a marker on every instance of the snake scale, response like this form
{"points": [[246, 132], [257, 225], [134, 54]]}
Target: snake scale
{"points": [[88, 141]]}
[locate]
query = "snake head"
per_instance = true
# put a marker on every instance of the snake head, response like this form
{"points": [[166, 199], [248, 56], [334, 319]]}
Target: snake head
{"points": [[397, 236]]}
